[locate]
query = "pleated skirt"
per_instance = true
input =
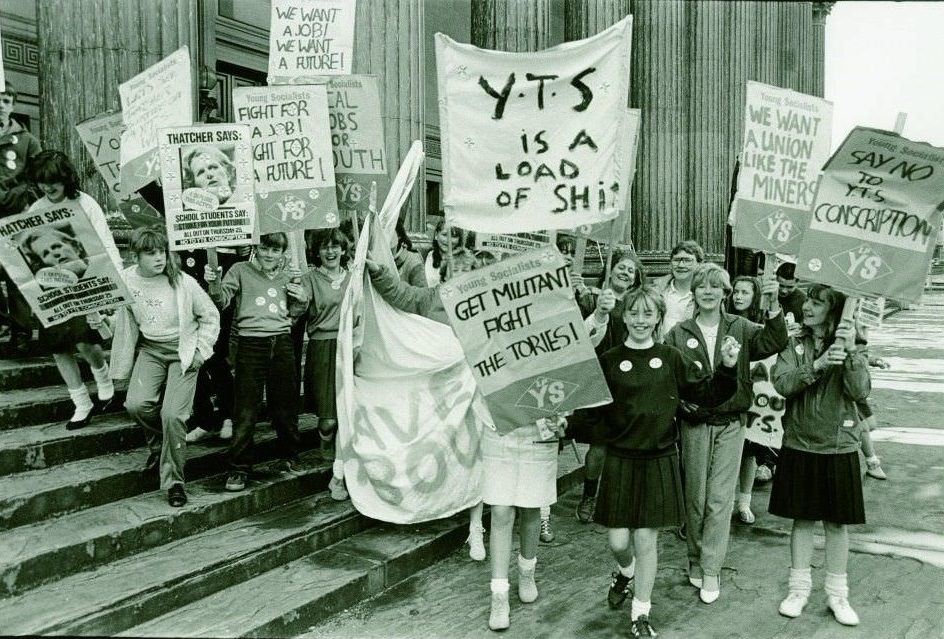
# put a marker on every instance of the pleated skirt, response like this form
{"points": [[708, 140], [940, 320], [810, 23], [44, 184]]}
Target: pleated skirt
{"points": [[818, 487], [640, 493]]}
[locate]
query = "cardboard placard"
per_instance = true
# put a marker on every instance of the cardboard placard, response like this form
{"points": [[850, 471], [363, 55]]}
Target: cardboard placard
{"points": [[786, 142], [524, 338], [292, 163], [208, 179], [59, 263], [875, 220], [310, 37]]}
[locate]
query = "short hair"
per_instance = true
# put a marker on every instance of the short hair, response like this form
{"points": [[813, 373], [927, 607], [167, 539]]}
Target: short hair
{"points": [[618, 256], [11, 91], [154, 238], [206, 149], [650, 297], [326, 237], [54, 167], [277, 240], [712, 275], [45, 231], [689, 246], [787, 271]]}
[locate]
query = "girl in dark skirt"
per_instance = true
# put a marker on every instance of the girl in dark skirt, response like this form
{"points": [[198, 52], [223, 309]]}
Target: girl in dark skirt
{"points": [[325, 285], [822, 374], [640, 489], [56, 177]]}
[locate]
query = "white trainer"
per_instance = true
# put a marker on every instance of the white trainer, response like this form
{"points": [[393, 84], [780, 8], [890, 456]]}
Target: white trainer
{"points": [[793, 605], [198, 434], [476, 543], [226, 432], [842, 611], [501, 611]]}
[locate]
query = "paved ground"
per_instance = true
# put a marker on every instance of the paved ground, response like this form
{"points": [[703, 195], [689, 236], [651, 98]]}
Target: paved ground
{"points": [[896, 570]]}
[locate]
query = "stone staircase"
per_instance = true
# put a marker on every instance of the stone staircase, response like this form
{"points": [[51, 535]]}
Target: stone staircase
{"points": [[89, 546]]}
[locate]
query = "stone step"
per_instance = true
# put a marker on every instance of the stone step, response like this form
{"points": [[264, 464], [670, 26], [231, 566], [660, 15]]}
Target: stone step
{"points": [[30, 496], [29, 372], [40, 405], [47, 445], [135, 589], [312, 588], [54, 548]]}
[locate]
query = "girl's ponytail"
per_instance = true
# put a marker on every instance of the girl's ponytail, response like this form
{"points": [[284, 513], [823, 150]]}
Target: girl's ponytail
{"points": [[150, 238]]}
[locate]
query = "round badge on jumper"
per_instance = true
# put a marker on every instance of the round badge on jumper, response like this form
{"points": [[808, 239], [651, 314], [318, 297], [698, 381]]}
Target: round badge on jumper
{"points": [[336, 285], [655, 362], [699, 365], [273, 308], [283, 306], [260, 301], [799, 349], [191, 262], [626, 366], [11, 154], [272, 292], [692, 342], [11, 164]]}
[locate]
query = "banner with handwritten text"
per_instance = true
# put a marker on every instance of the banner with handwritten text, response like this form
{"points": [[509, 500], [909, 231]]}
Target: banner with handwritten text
{"points": [[875, 220], [160, 96], [59, 263], [786, 142], [207, 173], [524, 338], [765, 416], [291, 151], [310, 37], [530, 140]]}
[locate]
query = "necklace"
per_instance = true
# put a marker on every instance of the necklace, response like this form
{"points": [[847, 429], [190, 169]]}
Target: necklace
{"points": [[335, 279]]}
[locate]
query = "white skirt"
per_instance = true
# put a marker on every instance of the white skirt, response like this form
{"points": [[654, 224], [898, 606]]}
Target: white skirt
{"points": [[517, 471]]}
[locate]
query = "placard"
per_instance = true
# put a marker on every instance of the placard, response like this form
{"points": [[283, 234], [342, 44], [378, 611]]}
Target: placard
{"points": [[530, 140], [292, 162], [786, 142], [310, 37], [160, 96], [507, 244], [765, 417], [524, 338], [208, 176], [59, 263], [875, 220]]}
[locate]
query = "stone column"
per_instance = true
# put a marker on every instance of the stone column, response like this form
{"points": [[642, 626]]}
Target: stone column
{"points": [[585, 18], [511, 25], [789, 29], [806, 48], [820, 12], [660, 75], [389, 43], [86, 49]]}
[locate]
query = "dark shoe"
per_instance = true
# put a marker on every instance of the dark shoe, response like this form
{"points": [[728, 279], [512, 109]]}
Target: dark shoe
{"points": [[291, 466], [152, 463], [82, 423], [682, 533], [588, 503], [547, 533], [176, 496], [620, 589], [102, 405], [236, 482], [642, 628]]}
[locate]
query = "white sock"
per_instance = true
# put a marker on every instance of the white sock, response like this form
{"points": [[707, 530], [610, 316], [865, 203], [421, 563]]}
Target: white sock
{"points": [[103, 383], [744, 500], [83, 403], [527, 565], [873, 459], [640, 608], [545, 512], [499, 585], [628, 571]]}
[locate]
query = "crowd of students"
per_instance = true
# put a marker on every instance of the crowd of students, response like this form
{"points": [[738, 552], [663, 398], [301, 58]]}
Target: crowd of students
{"points": [[668, 453]]}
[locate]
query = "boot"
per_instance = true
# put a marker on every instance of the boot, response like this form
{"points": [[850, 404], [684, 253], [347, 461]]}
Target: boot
{"points": [[800, 584], [837, 591], [501, 611], [527, 588]]}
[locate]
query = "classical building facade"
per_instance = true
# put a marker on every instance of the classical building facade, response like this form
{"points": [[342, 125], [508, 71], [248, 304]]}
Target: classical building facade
{"points": [[690, 62]]}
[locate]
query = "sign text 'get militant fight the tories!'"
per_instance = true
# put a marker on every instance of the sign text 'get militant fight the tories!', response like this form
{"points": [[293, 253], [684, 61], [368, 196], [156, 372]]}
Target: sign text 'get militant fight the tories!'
{"points": [[59, 263], [786, 142], [310, 37], [876, 218], [524, 338], [291, 152], [158, 97], [208, 186], [530, 140]]}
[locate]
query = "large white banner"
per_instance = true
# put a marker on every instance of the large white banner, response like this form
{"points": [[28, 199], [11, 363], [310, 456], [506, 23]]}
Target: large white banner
{"points": [[530, 140]]}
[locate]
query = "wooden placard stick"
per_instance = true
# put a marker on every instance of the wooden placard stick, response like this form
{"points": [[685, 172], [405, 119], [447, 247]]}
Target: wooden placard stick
{"points": [[450, 260], [770, 273], [103, 329], [214, 263], [296, 251]]}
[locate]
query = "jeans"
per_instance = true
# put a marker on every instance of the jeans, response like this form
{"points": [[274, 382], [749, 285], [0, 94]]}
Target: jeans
{"points": [[264, 364], [164, 421]]}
